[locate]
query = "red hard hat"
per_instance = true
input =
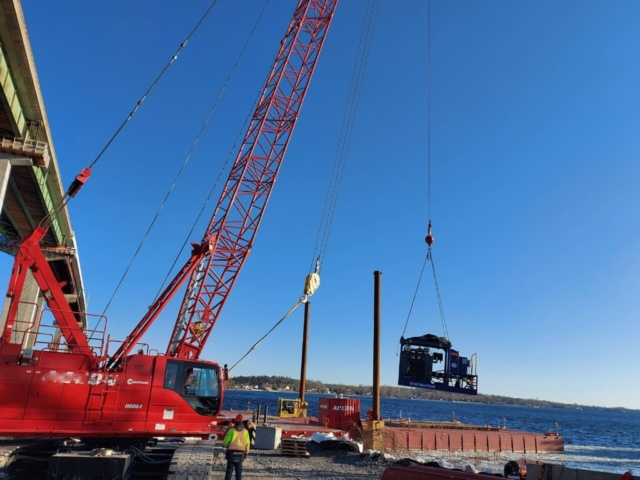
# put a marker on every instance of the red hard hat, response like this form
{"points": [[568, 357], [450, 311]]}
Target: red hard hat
{"points": [[239, 418]]}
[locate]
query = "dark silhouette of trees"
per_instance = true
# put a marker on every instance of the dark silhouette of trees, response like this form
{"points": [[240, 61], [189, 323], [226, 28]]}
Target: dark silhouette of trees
{"points": [[267, 382]]}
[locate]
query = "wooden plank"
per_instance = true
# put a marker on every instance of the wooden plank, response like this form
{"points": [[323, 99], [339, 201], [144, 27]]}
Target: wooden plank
{"points": [[294, 447]]}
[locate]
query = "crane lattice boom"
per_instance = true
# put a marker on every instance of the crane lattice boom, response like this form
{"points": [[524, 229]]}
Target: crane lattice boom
{"points": [[239, 211], [214, 265]]}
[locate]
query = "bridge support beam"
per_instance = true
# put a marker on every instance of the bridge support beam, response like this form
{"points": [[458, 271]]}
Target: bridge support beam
{"points": [[28, 317]]}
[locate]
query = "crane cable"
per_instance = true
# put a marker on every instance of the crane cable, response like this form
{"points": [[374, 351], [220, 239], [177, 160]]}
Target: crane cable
{"points": [[232, 150], [429, 239], [70, 193], [155, 82], [182, 168], [415, 294], [429, 257], [440, 307], [312, 280], [312, 283], [346, 132]]}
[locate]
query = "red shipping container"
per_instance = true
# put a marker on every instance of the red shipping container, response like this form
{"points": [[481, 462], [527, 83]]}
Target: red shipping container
{"points": [[341, 413]]}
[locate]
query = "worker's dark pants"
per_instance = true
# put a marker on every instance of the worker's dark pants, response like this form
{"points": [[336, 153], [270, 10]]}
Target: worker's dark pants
{"points": [[230, 467]]}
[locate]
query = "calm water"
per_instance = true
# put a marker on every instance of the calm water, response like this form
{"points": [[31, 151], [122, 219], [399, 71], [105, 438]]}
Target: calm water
{"points": [[604, 440]]}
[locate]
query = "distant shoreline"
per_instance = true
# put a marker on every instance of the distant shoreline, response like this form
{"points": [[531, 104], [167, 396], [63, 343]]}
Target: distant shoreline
{"points": [[430, 395]]}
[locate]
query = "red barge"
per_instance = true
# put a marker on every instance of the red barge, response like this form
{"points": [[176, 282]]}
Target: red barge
{"points": [[342, 416]]}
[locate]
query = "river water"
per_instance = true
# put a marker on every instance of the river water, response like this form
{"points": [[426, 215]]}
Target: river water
{"points": [[595, 439]]}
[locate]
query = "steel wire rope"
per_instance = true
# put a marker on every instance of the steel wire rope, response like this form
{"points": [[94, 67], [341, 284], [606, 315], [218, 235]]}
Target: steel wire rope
{"points": [[255, 345], [240, 136], [185, 162], [346, 131], [415, 294], [429, 110], [48, 219], [59, 205], [338, 165], [440, 307], [429, 255], [65, 200], [363, 68], [166, 67]]}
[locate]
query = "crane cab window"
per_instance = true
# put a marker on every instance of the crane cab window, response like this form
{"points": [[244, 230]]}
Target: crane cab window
{"points": [[171, 376], [202, 382]]}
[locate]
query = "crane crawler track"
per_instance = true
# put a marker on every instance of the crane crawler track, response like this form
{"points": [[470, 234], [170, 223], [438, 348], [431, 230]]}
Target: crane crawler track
{"points": [[193, 460]]}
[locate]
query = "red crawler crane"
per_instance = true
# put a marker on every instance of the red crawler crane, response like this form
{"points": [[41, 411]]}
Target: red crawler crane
{"points": [[68, 384]]}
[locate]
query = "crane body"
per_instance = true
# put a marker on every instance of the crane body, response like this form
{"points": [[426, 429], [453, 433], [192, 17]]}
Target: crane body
{"points": [[77, 382]]}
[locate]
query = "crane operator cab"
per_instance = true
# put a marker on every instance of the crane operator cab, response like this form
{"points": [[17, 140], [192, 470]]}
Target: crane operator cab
{"points": [[197, 383], [430, 362]]}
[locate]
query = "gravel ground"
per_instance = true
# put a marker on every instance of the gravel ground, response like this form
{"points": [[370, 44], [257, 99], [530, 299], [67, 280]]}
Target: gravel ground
{"points": [[321, 464]]}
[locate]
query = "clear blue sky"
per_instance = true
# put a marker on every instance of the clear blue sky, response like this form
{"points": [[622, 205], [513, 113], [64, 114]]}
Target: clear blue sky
{"points": [[535, 175]]}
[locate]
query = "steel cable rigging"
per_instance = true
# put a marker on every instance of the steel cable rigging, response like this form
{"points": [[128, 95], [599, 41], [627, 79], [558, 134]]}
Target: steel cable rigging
{"points": [[430, 361], [84, 175], [182, 168], [184, 164], [429, 238], [312, 281], [344, 142]]}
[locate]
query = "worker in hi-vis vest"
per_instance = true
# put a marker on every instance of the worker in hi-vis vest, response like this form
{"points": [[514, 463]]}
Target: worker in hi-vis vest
{"points": [[237, 443]]}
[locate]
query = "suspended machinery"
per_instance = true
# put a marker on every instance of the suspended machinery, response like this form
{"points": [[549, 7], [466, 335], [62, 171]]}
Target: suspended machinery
{"points": [[429, 361]]}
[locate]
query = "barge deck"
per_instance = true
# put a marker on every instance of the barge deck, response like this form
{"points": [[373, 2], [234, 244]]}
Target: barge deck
{"points": [[427, 436]]}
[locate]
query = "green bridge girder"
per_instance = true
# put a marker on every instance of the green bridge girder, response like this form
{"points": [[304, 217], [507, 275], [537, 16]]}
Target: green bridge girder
{"points": [[32, 189]]}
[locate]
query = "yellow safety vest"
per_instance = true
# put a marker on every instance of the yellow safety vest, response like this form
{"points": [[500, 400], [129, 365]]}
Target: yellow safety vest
{"points": [[235, 440]]}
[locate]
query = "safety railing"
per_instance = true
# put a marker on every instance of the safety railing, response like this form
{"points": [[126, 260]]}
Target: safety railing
{"points": [[39, 331]]}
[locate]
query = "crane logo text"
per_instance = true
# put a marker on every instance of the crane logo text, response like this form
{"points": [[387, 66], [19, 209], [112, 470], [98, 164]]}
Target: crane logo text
{"points": [[131, 381]]}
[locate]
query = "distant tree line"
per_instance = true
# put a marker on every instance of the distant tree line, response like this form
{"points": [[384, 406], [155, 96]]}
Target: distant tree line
{"points": [[270, 382]]}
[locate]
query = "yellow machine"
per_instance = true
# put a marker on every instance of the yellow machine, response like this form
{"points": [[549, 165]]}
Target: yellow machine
{"points": [[292, 407]]}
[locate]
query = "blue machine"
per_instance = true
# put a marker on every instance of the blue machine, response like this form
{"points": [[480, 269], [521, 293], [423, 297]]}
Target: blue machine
{"points": [[419, 359]]}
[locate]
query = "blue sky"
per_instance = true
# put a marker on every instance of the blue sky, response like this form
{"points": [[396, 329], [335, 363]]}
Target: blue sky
{"points": [[534, 193]]}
